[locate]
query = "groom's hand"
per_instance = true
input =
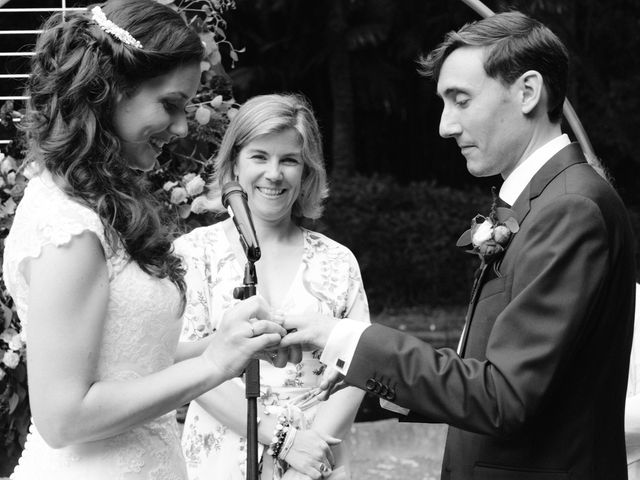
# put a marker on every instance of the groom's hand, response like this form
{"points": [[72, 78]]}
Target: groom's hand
{"points": [[332, 381], [309, 330]]}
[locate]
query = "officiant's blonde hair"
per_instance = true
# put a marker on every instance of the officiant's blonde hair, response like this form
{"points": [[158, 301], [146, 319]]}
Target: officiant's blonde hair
{"points": [[275, 113]]}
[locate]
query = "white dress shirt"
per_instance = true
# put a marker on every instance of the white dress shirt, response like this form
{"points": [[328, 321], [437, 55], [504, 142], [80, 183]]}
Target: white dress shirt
{"points": [[344, 338]]}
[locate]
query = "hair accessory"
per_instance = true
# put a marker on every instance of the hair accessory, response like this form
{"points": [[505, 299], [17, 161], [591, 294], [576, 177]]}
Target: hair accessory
{"points": [[98, 16]]}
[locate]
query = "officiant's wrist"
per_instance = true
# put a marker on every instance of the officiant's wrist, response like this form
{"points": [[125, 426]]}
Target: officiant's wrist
{"points": [[280, 432]]}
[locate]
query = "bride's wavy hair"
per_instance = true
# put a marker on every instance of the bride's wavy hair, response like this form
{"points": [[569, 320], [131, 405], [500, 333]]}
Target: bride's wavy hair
{"points": [[77, 74]]}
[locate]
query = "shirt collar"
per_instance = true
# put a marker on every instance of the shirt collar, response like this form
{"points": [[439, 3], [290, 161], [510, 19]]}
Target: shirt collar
{"points": [[516, 182]]}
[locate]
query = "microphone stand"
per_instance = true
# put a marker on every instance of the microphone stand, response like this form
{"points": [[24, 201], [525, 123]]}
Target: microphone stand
{"points": [[251, 378]]}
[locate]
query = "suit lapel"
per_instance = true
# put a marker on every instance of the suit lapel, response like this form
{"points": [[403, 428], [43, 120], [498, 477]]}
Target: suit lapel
{"points": [[569, 155]]}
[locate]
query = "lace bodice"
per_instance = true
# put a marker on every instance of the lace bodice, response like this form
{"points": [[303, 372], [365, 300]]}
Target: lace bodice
{"points": [[141, 330]]}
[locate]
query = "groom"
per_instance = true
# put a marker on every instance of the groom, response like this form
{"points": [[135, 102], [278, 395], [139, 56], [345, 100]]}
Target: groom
{"points": [[537, 389]]}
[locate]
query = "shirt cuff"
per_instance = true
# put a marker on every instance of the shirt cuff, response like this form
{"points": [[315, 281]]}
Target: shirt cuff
{"points": [[342, 344], [387, 405]]}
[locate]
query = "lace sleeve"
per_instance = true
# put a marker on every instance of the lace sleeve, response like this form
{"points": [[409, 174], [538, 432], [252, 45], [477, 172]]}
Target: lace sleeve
{"points": [[46, 216]]}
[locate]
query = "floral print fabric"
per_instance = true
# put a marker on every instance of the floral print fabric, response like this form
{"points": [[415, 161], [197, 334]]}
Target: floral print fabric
{"points": [[327, 281]]}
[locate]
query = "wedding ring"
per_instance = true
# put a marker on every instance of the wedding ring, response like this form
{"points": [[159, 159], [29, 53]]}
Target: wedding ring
{"points": [[324, 469], [253, 333]]}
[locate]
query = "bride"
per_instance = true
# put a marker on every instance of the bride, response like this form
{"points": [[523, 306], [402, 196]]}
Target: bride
{"points": [[88, 262]]}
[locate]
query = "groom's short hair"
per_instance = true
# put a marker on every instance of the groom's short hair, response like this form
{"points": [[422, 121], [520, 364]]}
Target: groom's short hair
{"points": [[515, 43]]}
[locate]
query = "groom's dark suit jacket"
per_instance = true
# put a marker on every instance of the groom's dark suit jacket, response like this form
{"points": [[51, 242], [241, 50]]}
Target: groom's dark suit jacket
{"points": [[539, 390]]}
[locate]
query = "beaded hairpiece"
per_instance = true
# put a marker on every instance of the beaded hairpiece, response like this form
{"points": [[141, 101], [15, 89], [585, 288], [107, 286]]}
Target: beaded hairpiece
{"points": [[98, 16]]}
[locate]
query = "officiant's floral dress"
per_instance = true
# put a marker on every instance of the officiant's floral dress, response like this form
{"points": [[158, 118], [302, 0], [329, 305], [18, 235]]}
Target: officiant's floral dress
{"points": [[141, 332], [328, 281]]}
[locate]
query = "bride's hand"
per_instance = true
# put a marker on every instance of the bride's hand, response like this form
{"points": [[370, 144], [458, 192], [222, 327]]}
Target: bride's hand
{"points": [[281, 356], [244, 331]]}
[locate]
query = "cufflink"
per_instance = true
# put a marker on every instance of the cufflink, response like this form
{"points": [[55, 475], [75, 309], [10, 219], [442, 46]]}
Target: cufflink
{"points": [[391, 394], [340, 363]]}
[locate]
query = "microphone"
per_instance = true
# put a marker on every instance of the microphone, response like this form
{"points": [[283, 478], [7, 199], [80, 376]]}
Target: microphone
{"points": [[234, 199]]}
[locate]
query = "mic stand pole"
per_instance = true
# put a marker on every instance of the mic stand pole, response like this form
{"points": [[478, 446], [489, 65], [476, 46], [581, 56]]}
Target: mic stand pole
{"points": [[251, 379]]}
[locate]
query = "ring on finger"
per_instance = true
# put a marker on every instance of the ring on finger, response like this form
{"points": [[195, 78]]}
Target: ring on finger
{"points": [[324, 469], [253, 333]]}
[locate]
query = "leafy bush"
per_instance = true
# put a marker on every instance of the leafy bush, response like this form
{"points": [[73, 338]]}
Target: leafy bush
{"points": [[404, 238]]}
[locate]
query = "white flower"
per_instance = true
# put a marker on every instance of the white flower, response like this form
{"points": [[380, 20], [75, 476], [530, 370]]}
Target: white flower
{"points": [[7, 163], [178, 195], [195, 186], [7, 335], [501, 234], [482, 233], [11, 359], [216, 102], [169, 185], [203, 204], [203, 115], [187, 177], [16, 342]]}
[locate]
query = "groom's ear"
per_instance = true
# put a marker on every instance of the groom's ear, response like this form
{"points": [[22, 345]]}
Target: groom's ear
{"points": [[531, 91]]}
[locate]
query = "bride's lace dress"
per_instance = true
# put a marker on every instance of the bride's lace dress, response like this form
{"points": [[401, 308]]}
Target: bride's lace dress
{"points": [[141, 332]]}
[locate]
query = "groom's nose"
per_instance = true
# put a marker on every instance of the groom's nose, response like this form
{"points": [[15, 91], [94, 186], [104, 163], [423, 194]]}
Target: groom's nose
{"points": [[449, 126]]}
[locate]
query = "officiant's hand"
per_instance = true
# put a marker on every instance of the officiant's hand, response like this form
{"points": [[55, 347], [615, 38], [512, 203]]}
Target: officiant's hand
{"points": [[309, 330], [244, 332], [311, 453], [293, 474]]}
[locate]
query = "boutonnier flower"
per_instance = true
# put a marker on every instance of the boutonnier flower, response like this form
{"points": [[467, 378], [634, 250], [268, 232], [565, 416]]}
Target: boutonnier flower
{"points": [[489, 236]]}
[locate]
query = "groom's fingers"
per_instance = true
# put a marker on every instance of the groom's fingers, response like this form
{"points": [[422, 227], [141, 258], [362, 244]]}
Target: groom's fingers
{"points": [[297, 337], [261, 327], [332, 381]]}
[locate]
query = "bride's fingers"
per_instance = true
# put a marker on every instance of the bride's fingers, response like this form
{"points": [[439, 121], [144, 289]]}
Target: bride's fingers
{"points": [[280, 357], [295, 354]]}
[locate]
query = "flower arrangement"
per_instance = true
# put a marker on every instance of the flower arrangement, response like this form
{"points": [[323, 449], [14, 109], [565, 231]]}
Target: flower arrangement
{"points": [[179, 184], [489, 236], [187, 163], [14, 402]]}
